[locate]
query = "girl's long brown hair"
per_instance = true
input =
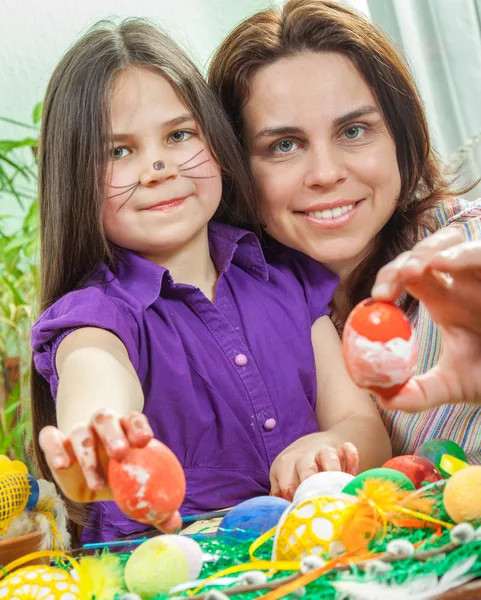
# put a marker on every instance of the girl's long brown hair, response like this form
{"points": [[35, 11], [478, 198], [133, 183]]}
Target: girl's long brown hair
{"points": [[321, 26], [73, 154]]}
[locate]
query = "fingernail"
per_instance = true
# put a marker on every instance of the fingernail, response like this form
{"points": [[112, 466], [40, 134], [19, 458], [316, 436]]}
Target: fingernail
{"points": [[354, 472], [382, 289], [117, 445], [413, 263], [59, 462], [450, 254]]}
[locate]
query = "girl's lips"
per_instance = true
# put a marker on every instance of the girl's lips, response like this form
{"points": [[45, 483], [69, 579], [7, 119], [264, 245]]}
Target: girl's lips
{"points": [[168, 204], [333, 222]]}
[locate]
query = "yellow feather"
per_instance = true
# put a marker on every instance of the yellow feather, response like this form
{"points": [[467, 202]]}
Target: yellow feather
{"points": [[102, 576]]}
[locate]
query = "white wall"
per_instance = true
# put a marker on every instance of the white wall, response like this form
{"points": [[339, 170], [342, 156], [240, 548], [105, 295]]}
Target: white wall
{"points": [[34, 34]]}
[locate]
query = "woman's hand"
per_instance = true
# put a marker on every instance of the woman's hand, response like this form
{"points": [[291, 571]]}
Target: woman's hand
{"points": [[305, 457], [79, 461], [454, 303]]}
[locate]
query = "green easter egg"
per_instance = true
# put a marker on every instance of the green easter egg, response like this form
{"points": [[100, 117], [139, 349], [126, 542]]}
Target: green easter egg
{"points": [[154, 567], [433, 451], [381, 473]]}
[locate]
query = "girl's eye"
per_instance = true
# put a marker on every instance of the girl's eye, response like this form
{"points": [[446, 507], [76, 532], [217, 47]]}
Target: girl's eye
{"points": [[284, 146], [180, 136], [119, 152], [354, 132]]}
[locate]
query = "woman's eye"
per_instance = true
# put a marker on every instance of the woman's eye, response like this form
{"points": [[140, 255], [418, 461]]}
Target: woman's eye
{"points": [[284, 146], [119, 152], [180, 136], [354, 132]]}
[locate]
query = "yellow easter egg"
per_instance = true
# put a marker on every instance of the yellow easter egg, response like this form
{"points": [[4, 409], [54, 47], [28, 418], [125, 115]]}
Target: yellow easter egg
{"points": [[313, 526], [39, 583], [462, 495], [5, 464], [19, 467]]}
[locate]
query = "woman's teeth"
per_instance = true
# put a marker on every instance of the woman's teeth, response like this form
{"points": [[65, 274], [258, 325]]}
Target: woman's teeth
{"points": [[331, 213]]}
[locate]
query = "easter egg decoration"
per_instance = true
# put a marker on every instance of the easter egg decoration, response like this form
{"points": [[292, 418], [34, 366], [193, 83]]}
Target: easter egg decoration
{"points": [[148, 484], [400, 479], [380, 347], [253, 517], [325, 483], [418, 469], [434, 450], [462, 495], [313, 526], [39, 583], [18, 491], [161, 563]]}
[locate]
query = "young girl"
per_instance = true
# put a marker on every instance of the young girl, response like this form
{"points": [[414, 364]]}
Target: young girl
{"points": [[158, 320]]}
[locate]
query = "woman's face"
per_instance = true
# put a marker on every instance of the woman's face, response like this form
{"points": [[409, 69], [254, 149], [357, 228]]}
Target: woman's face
{"points": [[322, 158]]}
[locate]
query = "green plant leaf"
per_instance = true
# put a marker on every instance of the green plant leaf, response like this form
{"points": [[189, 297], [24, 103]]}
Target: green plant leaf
{"points": [[37, 112], [9, 145]]}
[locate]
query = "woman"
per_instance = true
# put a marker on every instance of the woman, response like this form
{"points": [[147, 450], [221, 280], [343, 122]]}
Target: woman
{"points": [[338, 145]]}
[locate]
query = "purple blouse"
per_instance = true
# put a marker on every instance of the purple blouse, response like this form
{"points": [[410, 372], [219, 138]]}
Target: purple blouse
{"points": [[227, 385]]}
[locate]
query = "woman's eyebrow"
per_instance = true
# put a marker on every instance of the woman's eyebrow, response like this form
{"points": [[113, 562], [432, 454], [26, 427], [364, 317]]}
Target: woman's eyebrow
{"points": [[357, 113], [277, 131]]}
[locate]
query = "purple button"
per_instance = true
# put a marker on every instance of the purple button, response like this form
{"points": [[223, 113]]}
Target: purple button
{"points": [[240, 360], [270, 424]]}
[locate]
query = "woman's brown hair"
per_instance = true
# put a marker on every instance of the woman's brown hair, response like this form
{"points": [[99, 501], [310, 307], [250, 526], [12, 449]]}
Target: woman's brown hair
{"points": [[321, 26], [73, 155]]}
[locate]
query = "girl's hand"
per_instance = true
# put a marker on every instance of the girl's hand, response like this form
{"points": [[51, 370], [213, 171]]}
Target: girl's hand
{"points": [[79, 461], [454, 303], [307, 456]]}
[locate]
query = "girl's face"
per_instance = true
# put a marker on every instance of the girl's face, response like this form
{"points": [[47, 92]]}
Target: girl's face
{"points": [[322, 157], [163, 184]]}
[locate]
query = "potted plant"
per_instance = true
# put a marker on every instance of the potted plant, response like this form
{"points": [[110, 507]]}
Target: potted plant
{"points": [[18, 281]]}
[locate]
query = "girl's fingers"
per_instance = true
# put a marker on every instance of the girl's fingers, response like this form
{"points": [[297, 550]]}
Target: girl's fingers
{"points": [[53, 444], [284, 478], [84, 445], [109, 430], [137, 429], [350, 454], [171, 524], [327, 459], [306, 466]]}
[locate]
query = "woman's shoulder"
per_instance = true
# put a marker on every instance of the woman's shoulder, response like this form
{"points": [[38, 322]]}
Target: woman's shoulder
{"points": [[458, 212]]}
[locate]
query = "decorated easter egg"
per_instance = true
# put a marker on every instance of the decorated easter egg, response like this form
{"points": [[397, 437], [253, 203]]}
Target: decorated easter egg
{"points": [[434, 450], [148, 484], [161, 563], [251, 518], [314, 526], [380, 473], [416, 468], [462, 495], [40, 583], [325, 483], [380, 347]]}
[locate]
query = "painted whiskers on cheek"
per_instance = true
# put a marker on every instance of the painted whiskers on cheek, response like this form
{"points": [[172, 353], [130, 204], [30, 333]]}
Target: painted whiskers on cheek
{"points": [[131, 187], [195, 166]]}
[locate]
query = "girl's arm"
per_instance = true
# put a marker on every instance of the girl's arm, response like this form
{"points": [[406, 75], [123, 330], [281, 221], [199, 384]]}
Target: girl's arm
{"points": [[346, 416], [99, 404]]}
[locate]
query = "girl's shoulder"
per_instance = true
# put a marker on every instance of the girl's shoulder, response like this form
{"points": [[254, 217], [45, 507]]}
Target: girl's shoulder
{"points": [[459, 212]]}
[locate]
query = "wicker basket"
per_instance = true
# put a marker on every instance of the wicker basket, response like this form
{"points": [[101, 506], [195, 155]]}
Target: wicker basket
{"points": [[17, 547]]}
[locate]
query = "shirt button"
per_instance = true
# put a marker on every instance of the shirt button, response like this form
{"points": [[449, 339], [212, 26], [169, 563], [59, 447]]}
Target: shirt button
{"points": [[270, 424], [240, 360]]}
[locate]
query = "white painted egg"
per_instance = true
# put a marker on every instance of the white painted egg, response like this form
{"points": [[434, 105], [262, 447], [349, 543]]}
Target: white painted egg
{"points": [[326, 483]]}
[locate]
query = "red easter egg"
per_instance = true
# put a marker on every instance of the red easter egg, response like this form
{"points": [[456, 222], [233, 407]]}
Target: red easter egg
{"points": [[416, 468], [148, 484], [379, 347]]}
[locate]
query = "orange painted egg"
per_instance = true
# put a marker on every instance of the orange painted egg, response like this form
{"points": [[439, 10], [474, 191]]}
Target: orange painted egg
{"points": [[148, 484], [380, 347]]}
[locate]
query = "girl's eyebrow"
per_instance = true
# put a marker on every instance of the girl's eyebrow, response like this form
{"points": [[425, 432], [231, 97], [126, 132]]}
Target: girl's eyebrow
{"points": [[352, 115], [175, 122]]}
